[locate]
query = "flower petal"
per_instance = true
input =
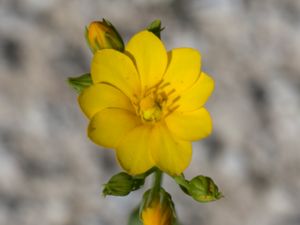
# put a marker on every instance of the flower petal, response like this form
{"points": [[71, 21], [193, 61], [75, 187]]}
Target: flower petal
{"points": [[183, 69], [196, 96], [190, 126], [170, 155], [109, 125], [150, 57], [99, 96], [133, 151], [117, 69]]}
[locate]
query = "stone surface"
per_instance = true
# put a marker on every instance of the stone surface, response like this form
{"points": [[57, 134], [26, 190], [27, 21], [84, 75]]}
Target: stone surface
{"points": [[51, 174]]}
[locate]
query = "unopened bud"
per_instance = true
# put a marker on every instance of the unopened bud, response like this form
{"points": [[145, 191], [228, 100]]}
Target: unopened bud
{"points": [[203, 189], [157, 208], [102, 35], [122, 184], [118, 185]]}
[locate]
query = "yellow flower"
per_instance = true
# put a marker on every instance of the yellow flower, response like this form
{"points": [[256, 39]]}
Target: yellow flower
{"points": [[157, 214], [147, 104]]}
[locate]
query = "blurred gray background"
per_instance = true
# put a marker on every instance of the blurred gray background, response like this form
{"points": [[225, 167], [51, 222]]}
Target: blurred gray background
{"points": [[51, 174]]}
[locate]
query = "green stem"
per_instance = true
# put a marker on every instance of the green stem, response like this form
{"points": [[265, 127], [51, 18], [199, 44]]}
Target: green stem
{"points": [[181, 181], [156, 183], [157, 180], [146, 174]]}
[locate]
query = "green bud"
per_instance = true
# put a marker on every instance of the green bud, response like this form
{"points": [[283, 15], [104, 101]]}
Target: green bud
{"points": [[101, 35], [122, 184], [203, 189], [118, 185], [155, 27], [81, 82]]}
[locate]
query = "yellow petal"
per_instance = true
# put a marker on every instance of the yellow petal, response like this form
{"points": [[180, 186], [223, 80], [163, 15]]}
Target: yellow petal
{"points": [[169, 154], [183, 69], [150, 57], [117, 69], [99, 96], [196, 96], [190, 126], [133, 151], [109, 126]]}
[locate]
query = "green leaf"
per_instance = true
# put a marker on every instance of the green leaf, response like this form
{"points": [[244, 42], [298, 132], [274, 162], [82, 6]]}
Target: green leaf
{"points": [[81, 82], [155, 27]]}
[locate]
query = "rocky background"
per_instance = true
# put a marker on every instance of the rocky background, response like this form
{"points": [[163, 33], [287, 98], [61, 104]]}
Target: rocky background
{"points": [[51, 174]]}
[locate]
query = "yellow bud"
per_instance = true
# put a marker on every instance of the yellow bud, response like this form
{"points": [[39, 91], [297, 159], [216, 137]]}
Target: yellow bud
{"points": [[102, 35], [157, 214], [158, 209]]}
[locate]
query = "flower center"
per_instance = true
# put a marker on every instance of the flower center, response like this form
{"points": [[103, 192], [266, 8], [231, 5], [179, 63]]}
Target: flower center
{"points": [[151, 108], [156, 103]]}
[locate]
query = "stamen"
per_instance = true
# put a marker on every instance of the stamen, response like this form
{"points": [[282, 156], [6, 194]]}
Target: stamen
{"points": [[171, 92], [154, 87], [171, 110], [135, 100], [156, 102], [165, 85], [175, 99]]}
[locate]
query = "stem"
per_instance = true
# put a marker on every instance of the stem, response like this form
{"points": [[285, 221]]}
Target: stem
{"points": [[146, 174], [157, 180], [181, 181], [156, 184]]}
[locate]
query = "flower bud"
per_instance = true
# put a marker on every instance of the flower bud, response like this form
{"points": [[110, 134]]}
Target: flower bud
{"points": [[203, 189], [121, 184], [157, 208], [102, 35]]}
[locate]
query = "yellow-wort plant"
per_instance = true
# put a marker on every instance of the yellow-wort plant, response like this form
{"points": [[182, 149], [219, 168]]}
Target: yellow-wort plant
{"points": [[147, 104]]}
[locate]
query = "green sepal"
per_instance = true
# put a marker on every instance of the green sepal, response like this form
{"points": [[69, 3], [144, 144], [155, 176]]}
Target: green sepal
{"points": [[155, 27], [117, 43], [81, 82], [86, 37], [134, 218]]}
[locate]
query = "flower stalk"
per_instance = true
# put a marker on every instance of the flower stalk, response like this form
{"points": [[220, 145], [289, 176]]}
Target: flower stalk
{"points": [[158, 176]]}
